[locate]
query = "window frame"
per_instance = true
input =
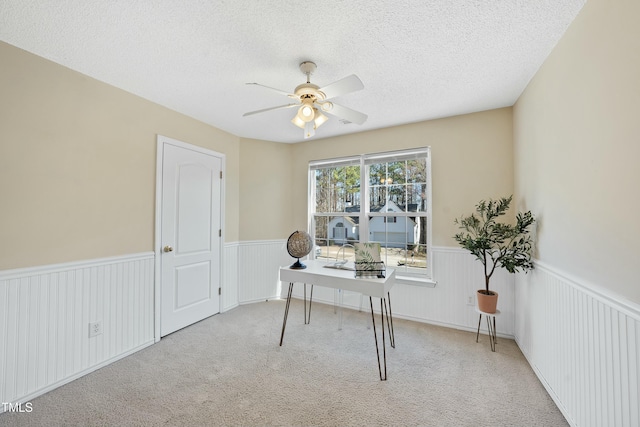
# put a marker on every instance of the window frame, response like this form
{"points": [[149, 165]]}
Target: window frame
{"points": [[364, 161]]}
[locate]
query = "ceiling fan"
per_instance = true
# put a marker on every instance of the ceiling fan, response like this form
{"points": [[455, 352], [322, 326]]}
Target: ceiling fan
{"points": [[312, 101]]}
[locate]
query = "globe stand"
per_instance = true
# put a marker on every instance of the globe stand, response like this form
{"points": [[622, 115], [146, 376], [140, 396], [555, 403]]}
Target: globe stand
{"points": [[299, 245], [298, 265]]}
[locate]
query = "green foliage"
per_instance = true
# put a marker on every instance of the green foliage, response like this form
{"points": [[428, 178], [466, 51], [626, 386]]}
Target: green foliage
{"points": [[497, 244], [334, 186], [366, 252]]}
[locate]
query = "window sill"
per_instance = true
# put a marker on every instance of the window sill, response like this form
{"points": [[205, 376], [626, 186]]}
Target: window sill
{"points": [[423, 283]]}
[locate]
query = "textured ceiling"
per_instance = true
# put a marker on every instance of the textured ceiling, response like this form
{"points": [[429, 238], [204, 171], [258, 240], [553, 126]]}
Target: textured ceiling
{"points": [[418, 59]]}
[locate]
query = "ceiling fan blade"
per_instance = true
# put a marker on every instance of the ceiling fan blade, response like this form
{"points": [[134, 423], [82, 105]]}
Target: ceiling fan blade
{"points": [[269, 109], [349, 84], [282, 92], [344, 113]]}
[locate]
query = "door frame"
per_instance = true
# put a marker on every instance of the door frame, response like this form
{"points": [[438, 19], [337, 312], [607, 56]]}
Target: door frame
{"points": [[161, 141]]}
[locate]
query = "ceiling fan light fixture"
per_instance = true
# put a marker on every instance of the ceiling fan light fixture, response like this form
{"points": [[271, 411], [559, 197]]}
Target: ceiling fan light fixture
{"points": [[312, 101], [310, 126], [320, 118], [298, 121], [305, 112]]}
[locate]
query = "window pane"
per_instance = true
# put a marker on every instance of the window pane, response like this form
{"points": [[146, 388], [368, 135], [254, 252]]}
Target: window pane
{"points": [[334, 232], [394, 231], [342, 230], [377, 197], [416, 171], [378, 230], [322, 190], [416, 255], [417, 198], [351, 188], [377, 174], [337, 188], [420, 252], [352, 201], [396, 173], [397, 195], [421, 235], [320, 225], [402, 240], [339, 197], [321, 241]]}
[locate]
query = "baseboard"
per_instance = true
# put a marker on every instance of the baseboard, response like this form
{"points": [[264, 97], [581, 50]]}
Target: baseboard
{"points": [[367, 309], [556, 399], [80, 374], [231, 307]]}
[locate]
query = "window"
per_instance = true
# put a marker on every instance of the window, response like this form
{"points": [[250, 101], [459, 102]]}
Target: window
{"points": [[385, 198]]}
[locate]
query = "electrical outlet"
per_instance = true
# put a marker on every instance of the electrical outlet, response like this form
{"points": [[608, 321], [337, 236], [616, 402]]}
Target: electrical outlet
{"points": [[95, 328], [470, 300]]}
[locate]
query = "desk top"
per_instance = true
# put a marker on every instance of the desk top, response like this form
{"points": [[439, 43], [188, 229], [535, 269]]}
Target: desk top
{"points": [[317, 274]]}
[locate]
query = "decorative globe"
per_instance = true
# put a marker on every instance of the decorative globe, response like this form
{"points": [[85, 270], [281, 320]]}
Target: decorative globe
{"points": [[299, 245]]}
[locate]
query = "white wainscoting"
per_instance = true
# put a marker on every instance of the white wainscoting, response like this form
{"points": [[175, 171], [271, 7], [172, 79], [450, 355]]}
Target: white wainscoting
{"points": [[584, 345], [45, 314], [230, 291], [258, 264], [457, 273]]}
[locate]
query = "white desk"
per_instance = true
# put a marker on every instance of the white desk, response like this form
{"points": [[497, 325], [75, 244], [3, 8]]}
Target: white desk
{"points": [[317, 274]]}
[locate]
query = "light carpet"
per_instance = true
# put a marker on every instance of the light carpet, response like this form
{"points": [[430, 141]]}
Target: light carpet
{"points": [[229, 370]]}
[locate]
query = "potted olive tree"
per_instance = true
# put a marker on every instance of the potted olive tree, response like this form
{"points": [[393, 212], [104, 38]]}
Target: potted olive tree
{"points": [[496, 244]]}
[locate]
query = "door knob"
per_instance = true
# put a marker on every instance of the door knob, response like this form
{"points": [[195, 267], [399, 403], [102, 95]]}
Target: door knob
{"points": [[168, 248]]}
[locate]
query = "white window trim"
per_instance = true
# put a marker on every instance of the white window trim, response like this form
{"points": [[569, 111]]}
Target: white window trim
{"points": [[365, 160]]}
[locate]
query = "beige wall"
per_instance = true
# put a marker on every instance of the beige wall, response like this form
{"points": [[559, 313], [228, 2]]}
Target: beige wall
{"points": [[577, 149], [265, 188], [77, 164], [472, 158], [77, 161]]}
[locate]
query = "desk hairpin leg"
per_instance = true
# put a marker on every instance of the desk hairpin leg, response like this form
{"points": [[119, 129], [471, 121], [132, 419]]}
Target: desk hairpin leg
{"points": [[307, 318], [392, 337], [375, 336], [286, 312]]}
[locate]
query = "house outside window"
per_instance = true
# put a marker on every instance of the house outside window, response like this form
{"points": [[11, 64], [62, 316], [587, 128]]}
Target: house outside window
{"points": [[384, 198]]}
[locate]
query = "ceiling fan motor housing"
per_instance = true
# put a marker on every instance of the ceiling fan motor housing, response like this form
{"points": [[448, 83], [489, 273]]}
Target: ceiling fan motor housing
{"points": [[308, 68], [309, 89]]}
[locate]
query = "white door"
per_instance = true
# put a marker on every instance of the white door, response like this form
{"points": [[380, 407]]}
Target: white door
{"points": [[190, 236]]}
